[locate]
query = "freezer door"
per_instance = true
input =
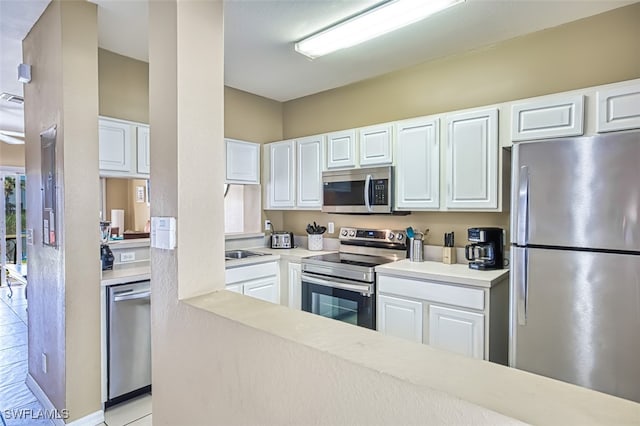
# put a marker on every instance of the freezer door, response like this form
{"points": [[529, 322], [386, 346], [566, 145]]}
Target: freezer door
{"points": [[582, 318], [578, 192]]}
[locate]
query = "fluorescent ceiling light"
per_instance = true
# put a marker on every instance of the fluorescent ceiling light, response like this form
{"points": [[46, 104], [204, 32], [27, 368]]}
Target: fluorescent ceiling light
{"points": [[370, 24]]}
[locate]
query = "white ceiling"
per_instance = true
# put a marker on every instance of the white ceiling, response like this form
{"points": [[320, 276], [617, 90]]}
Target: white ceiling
{"points": [[259, 37]]}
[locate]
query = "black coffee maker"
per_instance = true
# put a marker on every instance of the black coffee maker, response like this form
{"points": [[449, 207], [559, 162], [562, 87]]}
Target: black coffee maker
{"points": [[106, 255], [487, 250]]}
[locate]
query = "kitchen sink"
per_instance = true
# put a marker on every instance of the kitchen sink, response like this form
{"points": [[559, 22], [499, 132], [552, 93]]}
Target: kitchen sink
{"points": [[240, 254]]}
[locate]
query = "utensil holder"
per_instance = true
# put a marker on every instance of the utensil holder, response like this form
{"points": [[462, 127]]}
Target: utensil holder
{"points": [[315, 242], [449, 255], [416, 250]]}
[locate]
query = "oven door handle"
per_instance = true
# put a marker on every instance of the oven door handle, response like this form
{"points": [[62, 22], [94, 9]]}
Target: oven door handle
{"points": [[364, 289]]}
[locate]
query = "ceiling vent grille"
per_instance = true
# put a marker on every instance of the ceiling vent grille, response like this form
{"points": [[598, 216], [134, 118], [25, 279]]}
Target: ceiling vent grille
{"points": [[12, 98]]}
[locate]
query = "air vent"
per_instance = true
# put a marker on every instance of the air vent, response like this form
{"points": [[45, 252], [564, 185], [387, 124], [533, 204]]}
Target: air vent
{"points": [[12, 98]]}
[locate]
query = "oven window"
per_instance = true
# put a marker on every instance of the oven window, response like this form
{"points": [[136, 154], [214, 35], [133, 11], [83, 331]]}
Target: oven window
{"points": [[335, 308], [340, 304]]}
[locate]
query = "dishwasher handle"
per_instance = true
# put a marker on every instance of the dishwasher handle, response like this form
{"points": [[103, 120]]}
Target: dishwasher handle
{"points": [[127, 295]]}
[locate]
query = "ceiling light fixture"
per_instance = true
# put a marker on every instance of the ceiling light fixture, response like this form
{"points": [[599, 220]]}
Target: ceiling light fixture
{"points": [[370, 24]]}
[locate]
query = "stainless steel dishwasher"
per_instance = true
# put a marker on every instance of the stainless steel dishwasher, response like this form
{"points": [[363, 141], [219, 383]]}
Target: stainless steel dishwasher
{"points": [[128, 341]]}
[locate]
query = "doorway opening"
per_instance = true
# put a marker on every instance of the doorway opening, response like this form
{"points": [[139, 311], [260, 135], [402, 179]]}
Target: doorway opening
{"points": [[13, 223]]}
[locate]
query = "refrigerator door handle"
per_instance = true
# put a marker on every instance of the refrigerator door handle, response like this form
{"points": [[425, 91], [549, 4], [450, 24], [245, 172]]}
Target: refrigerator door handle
{"points": [[522, 277], [522, 230]]}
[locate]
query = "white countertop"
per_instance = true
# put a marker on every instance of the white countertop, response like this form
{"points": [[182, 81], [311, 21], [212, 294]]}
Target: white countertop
{"points": [[126, 244], [126, 275], [254, 260], [457, 273]]}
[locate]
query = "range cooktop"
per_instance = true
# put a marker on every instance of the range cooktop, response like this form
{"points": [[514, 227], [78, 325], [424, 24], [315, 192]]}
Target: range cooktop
{"points": [[364, 260]]}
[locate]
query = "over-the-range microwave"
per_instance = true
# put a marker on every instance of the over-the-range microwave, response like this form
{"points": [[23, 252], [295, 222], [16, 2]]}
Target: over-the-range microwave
{"points": [[362, 191]]}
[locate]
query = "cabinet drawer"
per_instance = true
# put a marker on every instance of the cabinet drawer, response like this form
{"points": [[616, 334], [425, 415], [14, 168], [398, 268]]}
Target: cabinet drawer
{"points": [[432, 291], [250, 272]]}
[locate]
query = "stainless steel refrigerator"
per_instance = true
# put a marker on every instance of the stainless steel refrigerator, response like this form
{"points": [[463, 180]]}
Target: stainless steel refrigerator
{"points": [[575, 261]]}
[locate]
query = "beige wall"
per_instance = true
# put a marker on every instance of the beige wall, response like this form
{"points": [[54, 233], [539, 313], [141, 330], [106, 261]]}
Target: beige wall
{"points": [[121, 194], [571, 56], [64, 319], [250, 117], [124, 87], [11, 155]]}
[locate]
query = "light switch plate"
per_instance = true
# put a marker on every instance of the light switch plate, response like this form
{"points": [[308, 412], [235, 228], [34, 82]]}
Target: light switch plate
{"points": [[330, 227]]}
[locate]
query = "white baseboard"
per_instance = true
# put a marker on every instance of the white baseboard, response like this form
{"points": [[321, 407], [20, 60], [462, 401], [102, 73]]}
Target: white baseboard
{"points": [[92, 419]]}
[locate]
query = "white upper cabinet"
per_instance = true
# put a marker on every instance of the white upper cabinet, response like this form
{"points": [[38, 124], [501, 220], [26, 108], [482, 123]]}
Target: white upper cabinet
{"points": [[144, 149], [243, 162], [114, 139], [124, 148], [418, 164], [472, 160], [550, 117], [375, 145], [457, 331], [309, 176], [341, 149], [281, 192], [618, 108]]}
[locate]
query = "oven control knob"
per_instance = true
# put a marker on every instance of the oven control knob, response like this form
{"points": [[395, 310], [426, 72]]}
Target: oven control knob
{"points": [[352, 233], [344, 233], [391, 235], [400, 237]]}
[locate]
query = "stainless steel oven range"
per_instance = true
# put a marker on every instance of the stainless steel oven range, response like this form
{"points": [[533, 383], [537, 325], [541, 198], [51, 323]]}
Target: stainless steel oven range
{"points": [[342, 285]]}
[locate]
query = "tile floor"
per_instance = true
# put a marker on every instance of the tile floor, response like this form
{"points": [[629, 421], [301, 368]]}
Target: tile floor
{"points": [[14, 393]]}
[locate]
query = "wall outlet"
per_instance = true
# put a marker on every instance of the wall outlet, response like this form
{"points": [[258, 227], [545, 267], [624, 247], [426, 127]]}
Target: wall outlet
{"points": [[29, 237], [330, 227], [44, 363], [267, 225], [128, 256]]}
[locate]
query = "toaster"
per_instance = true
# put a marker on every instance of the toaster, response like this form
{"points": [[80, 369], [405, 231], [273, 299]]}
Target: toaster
{"points": [[282, 240]]}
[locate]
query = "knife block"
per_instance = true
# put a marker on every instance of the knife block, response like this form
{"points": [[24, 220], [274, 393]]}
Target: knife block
{"points": [[449, 255]]}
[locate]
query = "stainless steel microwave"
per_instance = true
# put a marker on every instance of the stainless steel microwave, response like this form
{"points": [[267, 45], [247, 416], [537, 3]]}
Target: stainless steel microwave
{"points": [[358, 191]]}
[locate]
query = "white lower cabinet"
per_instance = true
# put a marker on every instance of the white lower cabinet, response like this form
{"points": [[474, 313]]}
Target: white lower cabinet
{"points": [[236, 288], [468, 320], [400, 317], [456, 331], [261, 281], [295, 285], [263, 288]]}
